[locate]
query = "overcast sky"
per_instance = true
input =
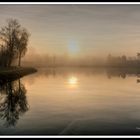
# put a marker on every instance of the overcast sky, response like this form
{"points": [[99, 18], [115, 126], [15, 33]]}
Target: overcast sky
{"points": [[79, 29]]}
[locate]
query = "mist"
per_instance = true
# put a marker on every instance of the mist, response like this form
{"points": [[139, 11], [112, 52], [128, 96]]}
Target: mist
{"points": [[38, 59]]}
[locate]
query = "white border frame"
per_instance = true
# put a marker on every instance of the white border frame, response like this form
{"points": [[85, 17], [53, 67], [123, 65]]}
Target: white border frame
{"points": [[68, 136], [85, 3]]}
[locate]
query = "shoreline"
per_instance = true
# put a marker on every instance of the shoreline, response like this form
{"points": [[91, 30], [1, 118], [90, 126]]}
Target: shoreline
{"points": [[12, 73]]}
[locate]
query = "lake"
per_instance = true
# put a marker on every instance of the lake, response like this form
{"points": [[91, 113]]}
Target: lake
{"points": [[72, 101]]}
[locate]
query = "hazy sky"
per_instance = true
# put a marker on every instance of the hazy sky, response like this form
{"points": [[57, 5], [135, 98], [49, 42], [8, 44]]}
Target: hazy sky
{"points": [[79, 29]]}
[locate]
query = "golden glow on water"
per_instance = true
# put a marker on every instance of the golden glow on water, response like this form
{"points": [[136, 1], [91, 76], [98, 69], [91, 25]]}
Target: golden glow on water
{"points": [[88, 96], [73, 80]]}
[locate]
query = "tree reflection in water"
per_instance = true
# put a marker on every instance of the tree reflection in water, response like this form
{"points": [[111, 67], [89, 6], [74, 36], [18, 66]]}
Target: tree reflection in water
{"points": [[13, 101]]}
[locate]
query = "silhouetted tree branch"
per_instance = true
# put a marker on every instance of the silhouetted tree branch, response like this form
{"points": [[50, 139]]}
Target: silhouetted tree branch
{"points": [[13, 43]]}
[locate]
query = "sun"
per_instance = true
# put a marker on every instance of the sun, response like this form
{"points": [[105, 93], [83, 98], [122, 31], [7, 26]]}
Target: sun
{"points": [[73, 47]]}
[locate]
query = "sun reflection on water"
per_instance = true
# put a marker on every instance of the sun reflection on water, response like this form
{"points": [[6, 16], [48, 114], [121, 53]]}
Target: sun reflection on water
{"points": [[72, 80]]}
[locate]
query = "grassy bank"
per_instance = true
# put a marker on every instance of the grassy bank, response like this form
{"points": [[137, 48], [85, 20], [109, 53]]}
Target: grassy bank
{"points": [[12, 73]]}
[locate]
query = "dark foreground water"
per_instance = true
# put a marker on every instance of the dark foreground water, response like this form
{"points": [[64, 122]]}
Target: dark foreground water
{"points": [[72, 101]]}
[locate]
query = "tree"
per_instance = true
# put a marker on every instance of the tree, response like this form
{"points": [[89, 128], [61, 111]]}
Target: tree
{"points": [[109, 59], [123, 60], [138, 55], [21, 44], [14, 40]]}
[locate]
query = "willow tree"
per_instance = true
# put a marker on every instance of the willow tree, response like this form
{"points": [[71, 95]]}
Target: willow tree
{"points": [[14, 40], [21, 44]]}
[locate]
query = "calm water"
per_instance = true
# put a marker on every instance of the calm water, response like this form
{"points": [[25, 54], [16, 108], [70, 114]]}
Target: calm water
{"points": [[71, 101]]}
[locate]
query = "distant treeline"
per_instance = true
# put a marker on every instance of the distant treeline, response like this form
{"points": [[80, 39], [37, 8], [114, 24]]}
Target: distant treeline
{"points": [[91, 61]]}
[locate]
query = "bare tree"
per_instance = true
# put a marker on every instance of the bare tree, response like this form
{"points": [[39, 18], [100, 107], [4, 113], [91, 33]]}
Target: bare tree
{"points": [[14, 40], [21, 44]]}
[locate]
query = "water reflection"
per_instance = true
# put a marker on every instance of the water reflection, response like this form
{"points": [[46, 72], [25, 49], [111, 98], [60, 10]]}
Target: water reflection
{"points": [[13, 101], [72, 80], [84, 101], [99, 105], [123, 73]]}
